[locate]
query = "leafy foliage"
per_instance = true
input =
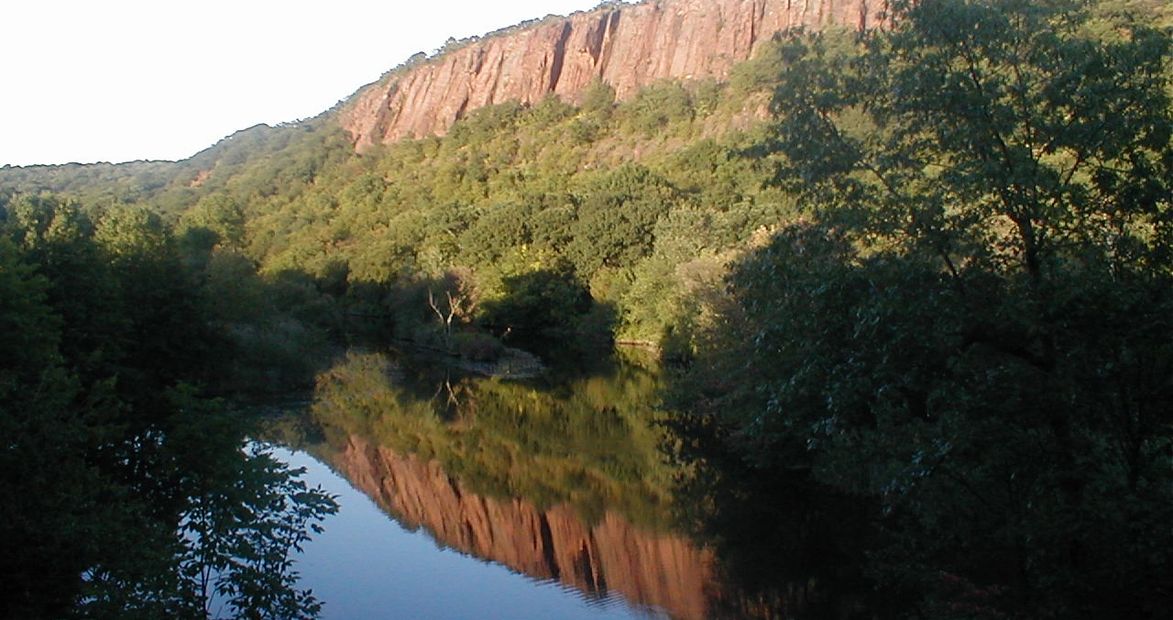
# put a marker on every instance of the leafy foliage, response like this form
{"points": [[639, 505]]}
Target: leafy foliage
{"points": [[946, 306], [126, 489], [970, 333]]}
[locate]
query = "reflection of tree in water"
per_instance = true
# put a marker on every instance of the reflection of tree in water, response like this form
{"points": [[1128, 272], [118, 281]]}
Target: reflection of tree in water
{"points": [[589, 441], [204, 526], [227, 550], [786, 546]]}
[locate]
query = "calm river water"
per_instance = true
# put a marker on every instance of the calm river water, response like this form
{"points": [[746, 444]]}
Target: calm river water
{"points": [[369, 565], [465, 497]]}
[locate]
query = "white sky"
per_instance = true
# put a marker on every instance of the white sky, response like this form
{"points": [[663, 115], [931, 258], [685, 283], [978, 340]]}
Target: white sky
{"points": [[118, 80]]}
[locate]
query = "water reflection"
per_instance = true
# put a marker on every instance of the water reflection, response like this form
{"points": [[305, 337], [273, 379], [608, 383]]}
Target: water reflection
{"points": [[564, 479], [589, 441], [560, 479], [366, 565], [609, 555]]}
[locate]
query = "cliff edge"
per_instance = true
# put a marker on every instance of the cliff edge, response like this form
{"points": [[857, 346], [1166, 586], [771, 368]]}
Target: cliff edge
{"points": [[625, 46]]}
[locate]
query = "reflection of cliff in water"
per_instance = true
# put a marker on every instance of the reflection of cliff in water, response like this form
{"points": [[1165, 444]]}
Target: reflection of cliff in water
{"points": [[564, 479], [559, 479], [610, 556]]}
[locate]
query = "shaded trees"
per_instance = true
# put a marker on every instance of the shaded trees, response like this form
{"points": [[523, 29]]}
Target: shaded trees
{"points": [[546, 303], [107, 452], [972, 330]]}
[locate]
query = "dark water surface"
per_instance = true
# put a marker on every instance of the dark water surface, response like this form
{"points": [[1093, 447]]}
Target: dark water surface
{"points": [[468, 497]]}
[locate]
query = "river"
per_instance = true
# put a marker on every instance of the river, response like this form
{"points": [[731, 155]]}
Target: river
{"points": [[468, 497], [366, 564]]}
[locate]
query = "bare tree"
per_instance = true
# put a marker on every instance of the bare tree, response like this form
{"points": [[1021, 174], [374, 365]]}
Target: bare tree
{"points": [[454, 307]]}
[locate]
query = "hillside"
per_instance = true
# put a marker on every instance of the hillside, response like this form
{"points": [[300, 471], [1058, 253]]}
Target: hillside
{"points": [[626, 47], [519, 166], [624, 150]]}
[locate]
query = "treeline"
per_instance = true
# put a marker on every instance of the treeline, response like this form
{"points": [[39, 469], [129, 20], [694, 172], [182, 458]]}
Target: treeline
{"points": [[576, 223], [128, 492]]}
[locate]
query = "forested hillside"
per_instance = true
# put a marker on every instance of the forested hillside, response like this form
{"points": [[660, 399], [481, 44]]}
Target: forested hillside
{"points": [[639, 203], [631, 203]]}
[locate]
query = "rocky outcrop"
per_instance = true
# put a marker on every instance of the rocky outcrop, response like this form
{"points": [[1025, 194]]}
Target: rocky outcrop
{"points": [[625, 46], [611, 556]]}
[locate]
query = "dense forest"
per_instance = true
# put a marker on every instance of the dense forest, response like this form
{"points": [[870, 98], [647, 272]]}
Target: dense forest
{"points": [[129, 491], [967, 338], [918, 279]]}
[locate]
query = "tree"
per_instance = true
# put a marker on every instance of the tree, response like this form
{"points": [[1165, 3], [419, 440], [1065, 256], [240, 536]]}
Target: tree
{"points": [[109, 470], [972, 328], [995, 131], [544, 303], [165, 336], [220, 214], [460, 300], [617, 218], [58, 237]]}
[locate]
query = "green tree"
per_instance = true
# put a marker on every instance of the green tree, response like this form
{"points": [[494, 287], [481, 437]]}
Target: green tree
{"points": [[617, 218], [598, 100], [545, 303], [973, 331], [216, 220], [58, 237], [1008, 141], [657, 106]]}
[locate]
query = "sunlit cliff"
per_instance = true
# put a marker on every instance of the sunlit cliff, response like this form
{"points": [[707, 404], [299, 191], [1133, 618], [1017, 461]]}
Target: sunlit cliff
{"points": [[625, 46]]}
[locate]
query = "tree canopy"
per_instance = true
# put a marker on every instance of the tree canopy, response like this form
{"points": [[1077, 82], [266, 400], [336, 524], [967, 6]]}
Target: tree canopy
{"points": [[971, 328]]}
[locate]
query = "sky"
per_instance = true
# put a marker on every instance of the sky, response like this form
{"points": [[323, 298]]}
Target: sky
{"points": [[120, 80]]}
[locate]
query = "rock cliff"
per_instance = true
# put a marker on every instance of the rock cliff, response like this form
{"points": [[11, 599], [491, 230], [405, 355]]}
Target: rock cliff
{"points": [[625, 46], [610, 556]]}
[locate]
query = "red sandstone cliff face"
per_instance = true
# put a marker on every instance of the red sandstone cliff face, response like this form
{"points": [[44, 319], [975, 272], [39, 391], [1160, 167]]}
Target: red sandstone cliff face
{"points": [[628, 47], [611, 556]]}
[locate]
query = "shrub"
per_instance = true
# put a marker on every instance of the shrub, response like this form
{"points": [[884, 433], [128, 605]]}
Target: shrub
{"points": [[477, 346]]}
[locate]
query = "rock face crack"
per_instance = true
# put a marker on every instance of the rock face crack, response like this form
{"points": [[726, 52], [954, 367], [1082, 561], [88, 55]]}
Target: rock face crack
{"points": [[664, 39], [548, 546], [559, 56], [497, 78], [462, 110], [384, 112], [607, 45], [594, 38]]}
